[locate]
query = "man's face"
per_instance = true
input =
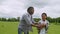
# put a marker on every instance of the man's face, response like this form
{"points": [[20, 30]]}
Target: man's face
{"points": [[31, 11]]}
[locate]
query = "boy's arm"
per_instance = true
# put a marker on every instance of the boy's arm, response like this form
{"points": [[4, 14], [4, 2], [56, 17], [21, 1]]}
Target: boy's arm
{"points": [[47, 26]]}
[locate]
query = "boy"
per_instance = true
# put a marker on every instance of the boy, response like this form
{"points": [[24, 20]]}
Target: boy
{"points": [[43, 24]]}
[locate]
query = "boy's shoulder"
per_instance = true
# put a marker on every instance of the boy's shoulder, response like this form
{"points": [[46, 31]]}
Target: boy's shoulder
{"points": [[47, 21], [40, 21]]}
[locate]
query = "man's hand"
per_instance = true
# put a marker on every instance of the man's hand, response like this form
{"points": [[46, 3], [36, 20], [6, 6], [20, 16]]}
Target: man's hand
{"points": [[35, 25]]}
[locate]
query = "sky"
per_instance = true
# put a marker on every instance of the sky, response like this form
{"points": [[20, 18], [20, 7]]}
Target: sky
{"points": [[16, 8]]}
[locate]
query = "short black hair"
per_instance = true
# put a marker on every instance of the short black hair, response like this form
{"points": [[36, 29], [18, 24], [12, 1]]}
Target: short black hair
{"points": [[29, 8], [44, 14]]}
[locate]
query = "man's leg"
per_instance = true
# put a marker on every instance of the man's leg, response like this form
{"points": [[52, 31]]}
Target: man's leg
{"points": [[26, 32], [19, 31]]}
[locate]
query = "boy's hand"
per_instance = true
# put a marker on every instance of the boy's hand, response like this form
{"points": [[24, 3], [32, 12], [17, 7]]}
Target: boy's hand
{"points": [[40, 26]]}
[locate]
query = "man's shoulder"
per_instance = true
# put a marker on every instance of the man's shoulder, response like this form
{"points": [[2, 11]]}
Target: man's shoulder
{"points": [[25, 14]]}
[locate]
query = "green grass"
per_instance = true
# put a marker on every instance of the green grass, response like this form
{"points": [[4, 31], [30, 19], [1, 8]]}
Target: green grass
{"points": [[8, 27], [12, 28]]}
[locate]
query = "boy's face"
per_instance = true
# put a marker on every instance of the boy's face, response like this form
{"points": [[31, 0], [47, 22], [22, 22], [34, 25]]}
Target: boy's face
{"points": [[44, 17], [31, 11]]}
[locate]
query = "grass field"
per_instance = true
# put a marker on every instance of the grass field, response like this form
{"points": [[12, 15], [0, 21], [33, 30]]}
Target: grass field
{"points": [[12, 28]]}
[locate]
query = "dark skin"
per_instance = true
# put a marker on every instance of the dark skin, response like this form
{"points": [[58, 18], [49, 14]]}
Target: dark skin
{"points": [[31, 12], [40, 26], [44, 17], [43, 25]]}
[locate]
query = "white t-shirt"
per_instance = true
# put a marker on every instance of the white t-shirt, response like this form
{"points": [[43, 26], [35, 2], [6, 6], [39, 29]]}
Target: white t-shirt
{"points": [[43, 30]]}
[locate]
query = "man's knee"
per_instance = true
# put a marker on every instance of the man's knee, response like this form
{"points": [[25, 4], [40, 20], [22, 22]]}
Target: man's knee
{"points": [[19, 31]]}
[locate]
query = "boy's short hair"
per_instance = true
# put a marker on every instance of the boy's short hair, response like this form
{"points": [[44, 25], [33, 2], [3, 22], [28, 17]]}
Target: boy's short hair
{"points": [[44, 14]]}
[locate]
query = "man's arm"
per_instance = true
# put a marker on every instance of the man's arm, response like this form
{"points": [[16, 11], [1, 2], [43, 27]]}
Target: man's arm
{"points": [[28, 21], [36, 23]]}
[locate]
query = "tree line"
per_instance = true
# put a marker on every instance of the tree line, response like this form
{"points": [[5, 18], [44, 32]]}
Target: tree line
{"points": [[10, 19], [51, 20]]}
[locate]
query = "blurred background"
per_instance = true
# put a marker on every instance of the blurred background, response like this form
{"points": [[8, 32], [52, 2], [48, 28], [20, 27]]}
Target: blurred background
{"points": [[12, 10]]}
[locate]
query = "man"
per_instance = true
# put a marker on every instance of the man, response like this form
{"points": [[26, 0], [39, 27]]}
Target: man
{"points": [[26, 22]]}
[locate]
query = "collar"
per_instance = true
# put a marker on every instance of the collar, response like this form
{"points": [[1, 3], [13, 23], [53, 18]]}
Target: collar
{"points": [[29, 14], [44, 21]]}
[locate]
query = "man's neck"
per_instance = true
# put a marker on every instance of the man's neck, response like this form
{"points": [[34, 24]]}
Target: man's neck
{"points": [[29, 14]]}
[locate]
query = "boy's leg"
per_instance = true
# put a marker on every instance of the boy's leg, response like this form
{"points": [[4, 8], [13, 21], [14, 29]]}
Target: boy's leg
{"points": [[38, 31], [19, 31]]}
